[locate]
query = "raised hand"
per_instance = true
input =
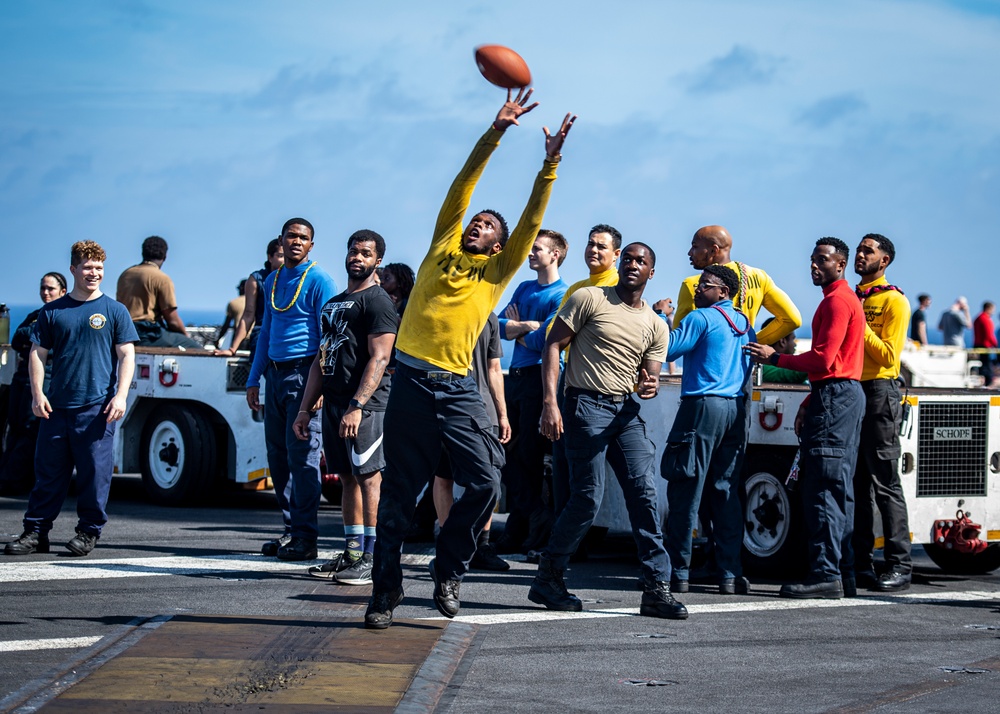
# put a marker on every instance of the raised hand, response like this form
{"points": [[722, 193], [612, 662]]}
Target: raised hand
{"points": [[554, 142], [513, 108]]}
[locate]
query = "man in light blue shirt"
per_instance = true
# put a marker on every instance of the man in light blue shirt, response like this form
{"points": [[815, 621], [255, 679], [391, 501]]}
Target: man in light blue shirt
{"points": [[709, 431], [525, 320], [294, 296]]}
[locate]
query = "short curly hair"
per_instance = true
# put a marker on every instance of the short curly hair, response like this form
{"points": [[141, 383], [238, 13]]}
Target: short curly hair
{"points": [[727, 276], [85, 250]]}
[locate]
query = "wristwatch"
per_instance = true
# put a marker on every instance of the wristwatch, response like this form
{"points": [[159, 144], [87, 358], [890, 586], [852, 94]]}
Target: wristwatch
{"points": [[773, 359], [356, 404]]}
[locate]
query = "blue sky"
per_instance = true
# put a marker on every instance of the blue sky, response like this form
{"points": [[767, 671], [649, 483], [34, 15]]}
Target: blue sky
{"points": [[209, 123]]}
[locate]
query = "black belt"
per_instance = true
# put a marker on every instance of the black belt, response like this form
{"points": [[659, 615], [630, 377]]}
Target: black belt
{"points": [[614, 398], [832, 380], [293, 363], [524, 371], [434, 375]]}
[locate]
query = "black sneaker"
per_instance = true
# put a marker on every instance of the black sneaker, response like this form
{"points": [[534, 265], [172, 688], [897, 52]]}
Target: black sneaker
{"points": [[82, 543], [378, 616], [486, 558], [445, 593], [359, 573], [658, 601], [29, 542], [270, 549], [298, 549], [330, 568]]}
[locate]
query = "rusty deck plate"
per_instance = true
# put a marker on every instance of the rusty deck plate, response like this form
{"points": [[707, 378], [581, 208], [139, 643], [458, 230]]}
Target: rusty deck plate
{"points": [[236, 664]]}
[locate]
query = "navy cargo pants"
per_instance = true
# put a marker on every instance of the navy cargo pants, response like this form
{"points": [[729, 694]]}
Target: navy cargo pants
{"points": [[79, 437], [425, 412], [603, 428], [829, 447]]}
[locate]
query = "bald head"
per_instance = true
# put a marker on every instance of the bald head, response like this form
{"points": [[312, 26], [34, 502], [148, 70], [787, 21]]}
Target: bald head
{"points": [[710, 246]]}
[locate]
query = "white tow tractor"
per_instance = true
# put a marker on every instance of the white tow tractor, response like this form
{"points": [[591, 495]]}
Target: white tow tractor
{"points": [[950, 471]]}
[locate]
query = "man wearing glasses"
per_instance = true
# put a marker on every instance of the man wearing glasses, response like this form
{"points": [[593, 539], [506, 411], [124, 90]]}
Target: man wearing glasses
{"points": [[708, 433]]}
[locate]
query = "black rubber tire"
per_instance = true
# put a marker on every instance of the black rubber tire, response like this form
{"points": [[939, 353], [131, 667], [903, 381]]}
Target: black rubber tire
{"points": [[186, 466], [957, 563], [780, 508]]}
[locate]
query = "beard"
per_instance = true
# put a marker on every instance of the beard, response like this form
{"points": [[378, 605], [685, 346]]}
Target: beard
{"points": [[361, 276]]}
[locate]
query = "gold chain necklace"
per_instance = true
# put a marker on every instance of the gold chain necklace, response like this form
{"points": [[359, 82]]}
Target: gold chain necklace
{"points": [[295, 297]]}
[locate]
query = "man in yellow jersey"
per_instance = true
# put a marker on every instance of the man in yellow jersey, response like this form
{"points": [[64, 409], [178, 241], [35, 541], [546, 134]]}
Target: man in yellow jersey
{"points": [[434, 399], [604, 245], [887, 314], [711, 245]]}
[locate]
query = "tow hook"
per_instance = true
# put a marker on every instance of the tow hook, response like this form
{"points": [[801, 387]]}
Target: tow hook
{"points": [[169, 371], [770, 406], [960, 535]]}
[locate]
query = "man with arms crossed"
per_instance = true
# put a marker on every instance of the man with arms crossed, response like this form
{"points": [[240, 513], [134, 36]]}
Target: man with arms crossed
{"points": [[887, 314], [90, 337], [294, 296], [525, 320], [712, 245], [828, 424], [709, 431], [616, 340], [434, 399], [359, 329]]}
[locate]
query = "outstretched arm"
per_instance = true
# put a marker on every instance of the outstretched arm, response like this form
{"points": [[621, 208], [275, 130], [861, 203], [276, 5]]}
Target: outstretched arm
{"points": [[456, 203], [523, 236]]}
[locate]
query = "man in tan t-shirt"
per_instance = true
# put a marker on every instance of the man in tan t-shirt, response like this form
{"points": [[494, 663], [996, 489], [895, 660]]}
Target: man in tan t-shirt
{"points": [[619, 345], [148, 293]]}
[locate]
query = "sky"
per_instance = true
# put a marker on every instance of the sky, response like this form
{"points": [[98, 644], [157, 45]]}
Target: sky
{"points": [[210, 123]]}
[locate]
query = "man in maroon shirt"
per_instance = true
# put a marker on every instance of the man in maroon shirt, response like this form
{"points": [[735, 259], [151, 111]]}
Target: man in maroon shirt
{"points": [[828, 424], [983, 336]]}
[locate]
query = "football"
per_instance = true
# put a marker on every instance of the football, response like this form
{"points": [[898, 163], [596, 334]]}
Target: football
{"points": [[503, 66]]}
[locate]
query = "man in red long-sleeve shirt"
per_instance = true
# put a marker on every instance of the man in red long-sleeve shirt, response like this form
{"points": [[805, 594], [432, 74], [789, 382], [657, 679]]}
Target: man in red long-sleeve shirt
{"points": [[983, 336], [828, 424]]}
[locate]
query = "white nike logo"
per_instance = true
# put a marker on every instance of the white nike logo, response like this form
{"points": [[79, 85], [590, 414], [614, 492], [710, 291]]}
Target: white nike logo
{"points": [[359, 459]]}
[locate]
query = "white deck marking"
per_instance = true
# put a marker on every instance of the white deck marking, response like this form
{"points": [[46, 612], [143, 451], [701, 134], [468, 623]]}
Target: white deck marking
{"points": [[755, 605], [61, 643]]}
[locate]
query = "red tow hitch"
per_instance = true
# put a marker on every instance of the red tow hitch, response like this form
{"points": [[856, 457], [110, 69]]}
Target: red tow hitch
{"points": [[961, 534]]}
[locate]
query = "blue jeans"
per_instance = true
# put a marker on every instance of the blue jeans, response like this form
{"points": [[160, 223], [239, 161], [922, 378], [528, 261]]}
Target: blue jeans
{"points": [[703, 447], [599, 428], [294, 464], [78, 437], [829, 441], [422, 415]]}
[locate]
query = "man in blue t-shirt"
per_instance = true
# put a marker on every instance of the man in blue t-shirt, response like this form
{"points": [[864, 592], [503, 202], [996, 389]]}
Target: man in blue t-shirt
{"points": [[525, 320], [294, 296], [90, 338], [709, 431]]}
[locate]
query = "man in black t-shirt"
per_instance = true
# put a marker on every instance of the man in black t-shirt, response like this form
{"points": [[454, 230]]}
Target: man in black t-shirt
{"points": [[918, 322], [359, 331]]}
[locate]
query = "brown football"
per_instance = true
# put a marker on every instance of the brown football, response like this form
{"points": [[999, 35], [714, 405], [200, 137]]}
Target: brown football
{"points": [[503, 66]]}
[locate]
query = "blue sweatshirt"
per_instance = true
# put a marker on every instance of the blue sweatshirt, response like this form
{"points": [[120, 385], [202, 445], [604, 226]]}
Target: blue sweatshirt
{"points": [[293, 333], [718, 366], [534, 302]]}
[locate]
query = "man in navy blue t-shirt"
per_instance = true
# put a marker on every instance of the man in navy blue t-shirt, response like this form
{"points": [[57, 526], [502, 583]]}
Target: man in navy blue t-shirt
{"points": [[90, 338]]}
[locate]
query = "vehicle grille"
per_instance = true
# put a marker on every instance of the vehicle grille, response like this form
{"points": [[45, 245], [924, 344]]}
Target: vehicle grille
{"points": [[952, 468], [237, 375]]}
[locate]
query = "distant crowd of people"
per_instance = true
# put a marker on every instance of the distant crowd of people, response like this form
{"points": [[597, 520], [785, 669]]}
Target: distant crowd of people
{"points": [[397, 380]]}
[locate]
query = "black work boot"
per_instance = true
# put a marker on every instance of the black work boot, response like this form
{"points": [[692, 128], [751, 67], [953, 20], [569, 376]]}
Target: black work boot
{"points": [[29, 542], [658, 601], [549, 589], [298, 549], [446, 597], [379, 613], [82, 543]]}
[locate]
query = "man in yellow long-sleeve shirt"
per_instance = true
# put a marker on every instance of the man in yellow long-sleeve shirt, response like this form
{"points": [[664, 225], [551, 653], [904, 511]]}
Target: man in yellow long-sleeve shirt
{"points": [[712, 245], [434, 399], [887, 314]]}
